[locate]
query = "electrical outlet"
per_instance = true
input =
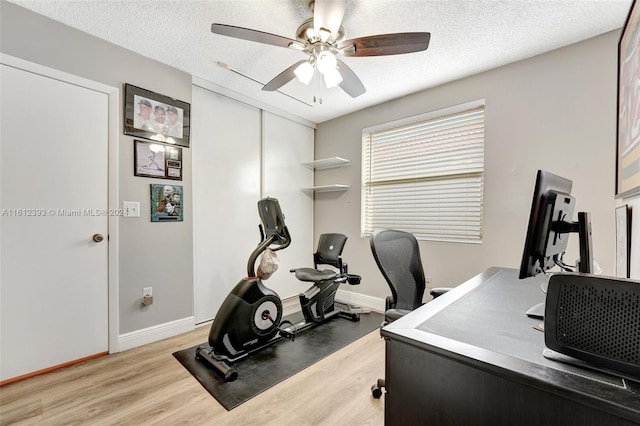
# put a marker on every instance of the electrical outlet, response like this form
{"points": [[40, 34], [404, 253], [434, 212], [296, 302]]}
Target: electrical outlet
{"points": [[147, 296]]}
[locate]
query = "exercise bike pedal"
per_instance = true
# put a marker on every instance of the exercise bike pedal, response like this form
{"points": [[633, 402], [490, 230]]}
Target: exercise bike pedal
{"points": [[284, 332], [288, 335]]}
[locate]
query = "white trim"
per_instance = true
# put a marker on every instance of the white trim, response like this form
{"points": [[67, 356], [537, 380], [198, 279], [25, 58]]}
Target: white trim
{"points": [[44, 71], [426, 116], [113, 95], [114, 221], [155, 333], [197, 81], [374, 303]]}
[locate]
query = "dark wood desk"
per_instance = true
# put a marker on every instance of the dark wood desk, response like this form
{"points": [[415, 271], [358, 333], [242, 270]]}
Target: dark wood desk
{"points": [[472, 357]]}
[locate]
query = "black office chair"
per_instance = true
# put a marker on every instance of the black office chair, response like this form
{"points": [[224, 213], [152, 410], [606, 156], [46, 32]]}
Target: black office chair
{"points": [[398, 256]]}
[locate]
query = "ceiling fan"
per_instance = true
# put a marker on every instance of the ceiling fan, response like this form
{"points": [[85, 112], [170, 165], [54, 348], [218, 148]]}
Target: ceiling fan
{"points": [[322, 39]]}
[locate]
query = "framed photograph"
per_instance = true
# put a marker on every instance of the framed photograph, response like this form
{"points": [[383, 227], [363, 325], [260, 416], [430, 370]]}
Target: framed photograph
{"points": [[157, 117], [623, 241], [152, 159], [628, 137], [166, 203]]}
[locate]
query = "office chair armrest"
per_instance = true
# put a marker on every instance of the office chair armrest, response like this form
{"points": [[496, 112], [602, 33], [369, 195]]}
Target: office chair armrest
{"points": [[353, 279], [438, 291], [389, 303], [393, 314]]}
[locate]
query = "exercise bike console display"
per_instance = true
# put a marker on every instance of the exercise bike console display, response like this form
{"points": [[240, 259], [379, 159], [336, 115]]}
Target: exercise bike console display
{"points": [[250, 318]]}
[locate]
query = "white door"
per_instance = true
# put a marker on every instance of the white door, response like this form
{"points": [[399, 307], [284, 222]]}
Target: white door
{"points": [[287, 146], [53, 199], [226, 190]]}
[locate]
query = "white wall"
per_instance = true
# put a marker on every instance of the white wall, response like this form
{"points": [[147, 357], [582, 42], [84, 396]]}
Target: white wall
{"points": [[555, 112]]}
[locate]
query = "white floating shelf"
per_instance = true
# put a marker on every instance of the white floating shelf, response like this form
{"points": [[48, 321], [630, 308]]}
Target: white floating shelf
{"points": [[328, 188], [327, 163]]}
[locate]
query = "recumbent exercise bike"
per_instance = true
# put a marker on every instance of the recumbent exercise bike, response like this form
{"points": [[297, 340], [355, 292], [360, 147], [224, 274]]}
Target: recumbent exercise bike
{"points": [[250, 318]]}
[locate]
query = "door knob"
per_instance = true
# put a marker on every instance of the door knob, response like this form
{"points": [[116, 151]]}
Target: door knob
{"points": [[97, 238]]}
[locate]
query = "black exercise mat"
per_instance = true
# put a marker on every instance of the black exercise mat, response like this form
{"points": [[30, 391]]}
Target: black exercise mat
{"points": [[272, 365]]}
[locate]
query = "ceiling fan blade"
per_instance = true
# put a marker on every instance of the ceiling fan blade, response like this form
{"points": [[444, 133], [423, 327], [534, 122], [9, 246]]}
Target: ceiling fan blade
{"points": [[283, 78], [350, 83], [386, 44], [251, 35], [328, 14]]}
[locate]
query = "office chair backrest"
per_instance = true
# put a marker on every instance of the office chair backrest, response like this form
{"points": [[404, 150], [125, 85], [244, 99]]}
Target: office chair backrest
{"points": [[398, 257], [329, 250]]}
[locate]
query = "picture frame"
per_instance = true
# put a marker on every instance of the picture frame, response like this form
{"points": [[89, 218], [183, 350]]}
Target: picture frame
{"points": [[628, 107], [152, 159], [167, 203], [156, 117], [623, 241]]}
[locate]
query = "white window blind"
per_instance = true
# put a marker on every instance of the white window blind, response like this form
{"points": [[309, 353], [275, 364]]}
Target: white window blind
{"points": [[426, 177]]}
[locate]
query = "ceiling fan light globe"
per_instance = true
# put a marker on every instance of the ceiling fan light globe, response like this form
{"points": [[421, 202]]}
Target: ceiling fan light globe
{"points": [[332, 78], [326, 61], [304, 72]]}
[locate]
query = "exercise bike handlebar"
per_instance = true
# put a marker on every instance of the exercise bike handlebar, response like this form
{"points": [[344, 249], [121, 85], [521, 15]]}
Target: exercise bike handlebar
{"points": [[273, 231], [283, 241]]}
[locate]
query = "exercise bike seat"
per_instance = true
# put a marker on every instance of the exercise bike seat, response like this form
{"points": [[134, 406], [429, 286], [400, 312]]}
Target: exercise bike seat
{"points": [[314, 275]]}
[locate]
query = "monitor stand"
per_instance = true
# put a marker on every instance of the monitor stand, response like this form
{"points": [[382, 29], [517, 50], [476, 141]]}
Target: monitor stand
{"points": [[536, 311]]}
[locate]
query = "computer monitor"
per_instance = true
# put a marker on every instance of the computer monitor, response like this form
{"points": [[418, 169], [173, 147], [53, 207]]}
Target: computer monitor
{"points": [[550, 224]]}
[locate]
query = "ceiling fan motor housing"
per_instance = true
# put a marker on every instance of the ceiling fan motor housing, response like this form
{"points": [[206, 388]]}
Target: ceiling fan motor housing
{"points": [[306, 33]]}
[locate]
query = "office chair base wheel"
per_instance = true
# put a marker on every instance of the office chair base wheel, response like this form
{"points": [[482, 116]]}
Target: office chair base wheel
{"points": [[376, 391]]}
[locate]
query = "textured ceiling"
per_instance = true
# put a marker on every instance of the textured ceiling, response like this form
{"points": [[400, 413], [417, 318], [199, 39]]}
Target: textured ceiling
{"points": [[467, 37]]}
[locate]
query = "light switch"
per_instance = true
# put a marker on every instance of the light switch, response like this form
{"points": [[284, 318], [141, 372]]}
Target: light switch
{"points": [[131, 208]]}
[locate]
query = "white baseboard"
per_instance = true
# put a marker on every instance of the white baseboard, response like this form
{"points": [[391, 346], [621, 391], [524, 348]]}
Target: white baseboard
{"points": [[374, 303], [157, 332], [290, 305]]}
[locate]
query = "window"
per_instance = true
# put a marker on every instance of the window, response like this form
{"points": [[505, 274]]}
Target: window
{"points": [[425, 174]]}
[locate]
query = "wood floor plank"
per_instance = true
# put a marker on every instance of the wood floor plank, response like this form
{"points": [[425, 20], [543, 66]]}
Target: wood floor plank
{"points": [[148, 386]]}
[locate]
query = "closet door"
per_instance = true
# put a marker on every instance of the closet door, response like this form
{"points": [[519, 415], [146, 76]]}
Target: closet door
{"points": [[286, 146], [226, 188]]}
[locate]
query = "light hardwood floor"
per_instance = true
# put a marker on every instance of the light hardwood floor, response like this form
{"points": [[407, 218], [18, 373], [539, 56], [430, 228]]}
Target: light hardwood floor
{"points": [[148, 386]]}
